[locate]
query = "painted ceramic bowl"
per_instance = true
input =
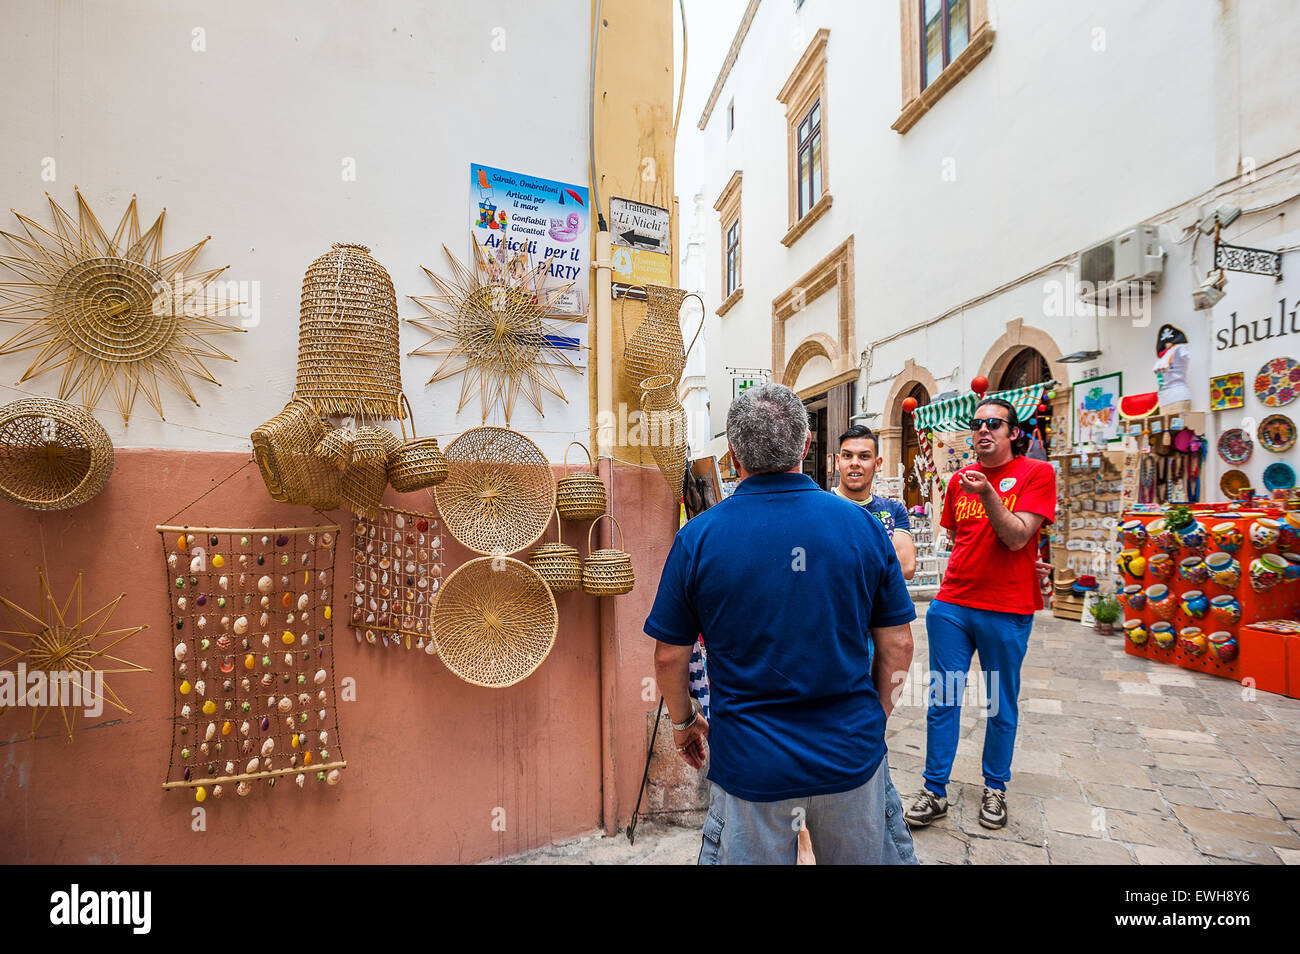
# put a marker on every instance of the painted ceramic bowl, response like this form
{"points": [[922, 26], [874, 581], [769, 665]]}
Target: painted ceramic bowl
{"points": [[1161, 601], [1162, 633], [1266, 572], [1192, 536], [1162, 538], [1224, 569], [1194, 604], [1226, 609], [1193, 570], [1134, 596], [1264, 533], [1136, 632], [1227, 536], [1161, 566], [1292, 570], [1133, 562], [1223, 645], [1135, 534], [1193, 641], [1288, 531]]}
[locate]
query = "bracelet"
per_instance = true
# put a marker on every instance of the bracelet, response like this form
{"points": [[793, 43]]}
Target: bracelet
{"points": [[683, 726]]}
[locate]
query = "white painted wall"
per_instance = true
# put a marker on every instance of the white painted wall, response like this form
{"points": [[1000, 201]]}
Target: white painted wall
{"points": [[246, 142], [1082, 121]]}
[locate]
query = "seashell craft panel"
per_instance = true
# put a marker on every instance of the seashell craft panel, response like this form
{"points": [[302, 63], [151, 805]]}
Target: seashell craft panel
{"points": [[397, 568]]}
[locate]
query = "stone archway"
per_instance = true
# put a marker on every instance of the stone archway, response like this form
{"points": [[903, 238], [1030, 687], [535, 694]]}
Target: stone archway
{"points": [[818, 344], [1015, 339], [891, 422]]}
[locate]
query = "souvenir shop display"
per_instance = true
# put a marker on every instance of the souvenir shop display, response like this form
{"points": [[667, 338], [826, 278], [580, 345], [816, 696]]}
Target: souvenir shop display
{"points": [[1276, 433], [491, 324], [348, 357], [58, 646], [1089, 502], [1228, 391], [252, 657], [53, 454], [494, 621], [579, 495], [499, 493], [557, 563], [397, 567], [1277, 383], [109, 311], [607, 572], [656, 347]]}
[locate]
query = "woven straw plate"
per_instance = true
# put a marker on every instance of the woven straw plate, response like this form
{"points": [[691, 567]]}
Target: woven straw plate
{"points": [[494, 621], [499, 492], [53, 455]]}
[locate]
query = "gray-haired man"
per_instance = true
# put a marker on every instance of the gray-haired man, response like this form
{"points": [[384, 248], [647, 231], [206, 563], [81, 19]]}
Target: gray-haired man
{"points": [[786, 583]]}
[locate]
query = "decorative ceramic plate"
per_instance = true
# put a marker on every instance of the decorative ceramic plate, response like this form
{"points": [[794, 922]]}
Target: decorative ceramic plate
{"points": [[1276, 433], [1287, 626], [1278, 382], [1279, 476], [1231, 483], [1228, 391], [1235, 446]]}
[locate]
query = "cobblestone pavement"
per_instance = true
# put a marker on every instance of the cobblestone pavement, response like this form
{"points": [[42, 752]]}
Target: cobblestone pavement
{"points": [[1119, 760]]}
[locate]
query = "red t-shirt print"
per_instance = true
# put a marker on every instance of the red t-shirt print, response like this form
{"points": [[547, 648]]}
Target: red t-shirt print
{"points": [[982, 572]]}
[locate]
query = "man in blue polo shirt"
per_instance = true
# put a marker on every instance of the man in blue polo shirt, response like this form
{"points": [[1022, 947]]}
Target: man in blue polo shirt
{"points": [[787, 584]]}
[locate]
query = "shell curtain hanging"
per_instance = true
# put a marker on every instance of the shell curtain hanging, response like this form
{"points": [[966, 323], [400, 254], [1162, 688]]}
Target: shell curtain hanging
{"points": [[53, 454], [61, 665], [397, 562], [111, 313], [490, 325]]}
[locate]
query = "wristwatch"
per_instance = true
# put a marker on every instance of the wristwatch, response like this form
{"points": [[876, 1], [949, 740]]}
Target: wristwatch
{"points": [[683, 726]]}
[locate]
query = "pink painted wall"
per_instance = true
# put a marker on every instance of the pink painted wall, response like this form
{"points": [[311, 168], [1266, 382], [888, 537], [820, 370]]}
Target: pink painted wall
{"points": [[429, 756]]}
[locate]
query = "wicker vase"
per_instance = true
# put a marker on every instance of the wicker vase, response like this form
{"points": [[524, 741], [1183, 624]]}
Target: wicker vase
{"points": [[347, 336], [53, 454], [557, 563], [663, 422], [656, 347], [580, 495]]}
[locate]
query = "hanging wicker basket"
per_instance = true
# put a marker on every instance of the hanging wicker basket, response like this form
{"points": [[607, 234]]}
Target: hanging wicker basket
{"points": [[366, 478], [499, 493], [285, 450], [335, 448], [580, 495], [557, 563], [53, 454], [347, 336], [607, 572], [418, 463], [664, 421]]}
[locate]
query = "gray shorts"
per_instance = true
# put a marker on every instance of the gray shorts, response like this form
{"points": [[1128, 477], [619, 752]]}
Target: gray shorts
{"points": [[863, 826]]}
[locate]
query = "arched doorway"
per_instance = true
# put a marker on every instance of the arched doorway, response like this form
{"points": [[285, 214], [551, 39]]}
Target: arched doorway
{"points": [[911, 444], [1026, 367]]}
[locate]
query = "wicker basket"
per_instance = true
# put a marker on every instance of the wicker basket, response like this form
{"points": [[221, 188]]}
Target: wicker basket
{"points": [[335, 448], [53, 455], [607, 572], [664, 421], [499, 493], [285, 450], [656, 345], [366, 478], [418, 463], [347, 336], [557, 563], [580, 495]]}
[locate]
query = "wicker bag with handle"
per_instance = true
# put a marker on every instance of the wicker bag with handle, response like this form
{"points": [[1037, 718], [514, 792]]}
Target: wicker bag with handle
{"points": [[607, 572], [580, 495], [418, 463]]}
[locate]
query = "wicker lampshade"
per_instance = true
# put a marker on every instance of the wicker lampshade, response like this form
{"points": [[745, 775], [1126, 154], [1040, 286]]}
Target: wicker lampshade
{"points": [[53, 454], [499, 492], [494, 621], [347, 336]]}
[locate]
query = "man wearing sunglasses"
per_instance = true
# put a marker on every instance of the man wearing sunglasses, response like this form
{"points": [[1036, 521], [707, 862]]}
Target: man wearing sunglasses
{"points": [[992, 512]]}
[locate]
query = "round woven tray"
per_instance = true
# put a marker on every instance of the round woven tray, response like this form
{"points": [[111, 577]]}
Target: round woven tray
{"points": [[494, 621], [53, 455], [499, 493]]}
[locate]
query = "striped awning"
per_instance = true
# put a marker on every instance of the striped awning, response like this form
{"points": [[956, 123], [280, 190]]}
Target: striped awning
{"points": [[954, 414]]}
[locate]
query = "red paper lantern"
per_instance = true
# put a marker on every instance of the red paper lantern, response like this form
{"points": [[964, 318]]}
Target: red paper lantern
{"points": [[979, 384], [909, 405]]}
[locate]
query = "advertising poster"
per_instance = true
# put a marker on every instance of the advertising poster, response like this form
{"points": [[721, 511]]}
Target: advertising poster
{"points": [[521, 221], [1096, 409]]}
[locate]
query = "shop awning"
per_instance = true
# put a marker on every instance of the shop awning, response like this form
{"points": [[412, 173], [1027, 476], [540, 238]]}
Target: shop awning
{"points": [[954, 414]]}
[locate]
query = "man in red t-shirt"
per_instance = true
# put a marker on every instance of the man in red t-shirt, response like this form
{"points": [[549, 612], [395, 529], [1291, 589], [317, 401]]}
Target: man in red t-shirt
{"points": [[993, 511]]}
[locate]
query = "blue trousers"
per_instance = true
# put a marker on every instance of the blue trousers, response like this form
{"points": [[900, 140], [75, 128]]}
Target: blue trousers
{"points": [[955, 634]]}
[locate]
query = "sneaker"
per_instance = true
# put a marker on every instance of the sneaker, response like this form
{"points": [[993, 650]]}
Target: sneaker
{"points": [[993, 808], [926, 807]]}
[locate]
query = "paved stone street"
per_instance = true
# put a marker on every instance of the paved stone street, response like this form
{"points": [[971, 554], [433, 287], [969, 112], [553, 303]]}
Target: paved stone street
{"points": [[1119, 760]]}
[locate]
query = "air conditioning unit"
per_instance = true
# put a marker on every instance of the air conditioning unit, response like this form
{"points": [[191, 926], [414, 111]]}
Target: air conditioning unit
{"points": [[1126, 262]]}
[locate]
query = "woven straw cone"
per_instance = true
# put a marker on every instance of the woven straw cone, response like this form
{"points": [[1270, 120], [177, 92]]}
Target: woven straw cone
{"points": [[580, 495], [557, 563], [366, 478], [418, 463], [494, 620], [285, 450], [607, 572], [656, 347], [499, 493], [664, 422], [53, 455], [347, 336]]}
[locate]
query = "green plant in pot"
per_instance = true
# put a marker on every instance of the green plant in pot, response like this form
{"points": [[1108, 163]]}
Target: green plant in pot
{"points": [[1180, 519], [1105, 611]]}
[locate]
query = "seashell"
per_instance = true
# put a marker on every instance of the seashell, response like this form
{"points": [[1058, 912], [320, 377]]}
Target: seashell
{"points": [[333, 777], [244, 684], [244, 727], [399, 521], [430, 649], [198, 564], [200, 686], [320, 677], [243, 788], [298, 780], [241, 625], [172, 561], [410, 566], [327, 539], [230, 768], [203, 747], [224, 642], [225, 727], [289, 618], [210, 732], [268, 746], [185, 711], [304, 639], [267, 678], [225, 620], [181, 603], [180, 651], [265, 724], [322, 696], [284, 581], [282, 540], [266, 640], [288, 659], [224, 582], [243, 559], [303, 698], [217, 791], [422, 583], [201, 622], [247, 746], [200, 793], [324, 737], [435, 542], [252, 765], [285, 704], [383, 549], [385, 564], [303, 601], [370, 636], [264, 584], [228, 665], [218, 561], [209, 707], [264, 619], [322, 714]]}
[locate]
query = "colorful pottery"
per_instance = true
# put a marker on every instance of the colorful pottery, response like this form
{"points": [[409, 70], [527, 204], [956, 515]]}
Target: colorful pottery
{"points": [[1227, 536], [1192, 537], [1235, 446], [1161, 566], [1194, 604], [1288, 530], [1266, 572], [1228, 391], [1232, 483], [1224, 646], [1226, 609], [1292, 570], [1193, 570], [1264, 533], [1276, 433], [1163, 634], [1161, 601], [1279, 476], [1135, 631], [1135, 534], [1278, 382], [1135, 597], [1128, 558], [1162, 538], [1193, 641], [1224, 570]]}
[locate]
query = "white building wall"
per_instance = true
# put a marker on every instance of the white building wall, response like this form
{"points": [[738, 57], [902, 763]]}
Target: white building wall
{"points": [[246, 140]]}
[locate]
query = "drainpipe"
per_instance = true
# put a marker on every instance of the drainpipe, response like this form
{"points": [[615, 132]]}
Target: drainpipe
{"points": [[605, 438]]}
